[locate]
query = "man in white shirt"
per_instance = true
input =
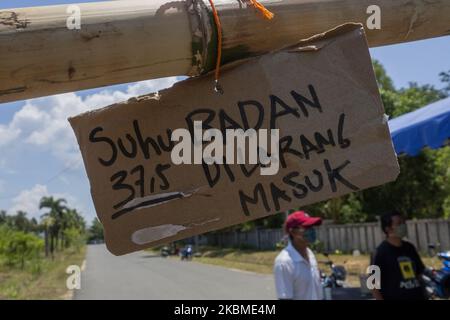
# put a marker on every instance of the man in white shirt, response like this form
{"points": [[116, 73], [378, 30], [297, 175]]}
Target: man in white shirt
{"points": [[297, 275]]}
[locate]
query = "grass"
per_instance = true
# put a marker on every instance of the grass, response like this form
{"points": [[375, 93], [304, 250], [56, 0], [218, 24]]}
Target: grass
{"points": [[47, 283], [262, 261]]}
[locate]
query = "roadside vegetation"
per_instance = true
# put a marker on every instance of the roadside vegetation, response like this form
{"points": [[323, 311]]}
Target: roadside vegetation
{"points": [[34, 253]]}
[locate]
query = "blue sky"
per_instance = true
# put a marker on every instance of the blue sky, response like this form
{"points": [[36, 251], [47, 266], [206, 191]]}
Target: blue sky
{"points": [[38, 152]]}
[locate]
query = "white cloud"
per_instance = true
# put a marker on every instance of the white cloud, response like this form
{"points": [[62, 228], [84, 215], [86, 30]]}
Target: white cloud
{"points": [[40, 127], [29, 200], [8, 134], [43, 122]]}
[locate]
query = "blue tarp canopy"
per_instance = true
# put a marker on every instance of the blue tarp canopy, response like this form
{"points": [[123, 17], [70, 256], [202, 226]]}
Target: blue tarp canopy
{"points": [[425, 127]]}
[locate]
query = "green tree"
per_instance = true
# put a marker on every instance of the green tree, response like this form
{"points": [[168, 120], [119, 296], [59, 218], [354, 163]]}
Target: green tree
{"points": [[420, 190], [55, 220], [19, 221], [3, 217], [445, 78], [95, 232], [46, 225], [74, 229], [18, 247], [385, 83], [74, 237]]}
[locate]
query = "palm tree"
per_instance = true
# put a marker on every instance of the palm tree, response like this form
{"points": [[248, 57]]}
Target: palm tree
{"points": [[73, 220], [54, 218], [46, 224]]}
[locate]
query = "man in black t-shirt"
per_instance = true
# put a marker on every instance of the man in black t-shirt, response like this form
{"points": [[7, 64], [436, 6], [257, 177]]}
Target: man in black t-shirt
{"points": [[400, 265]]}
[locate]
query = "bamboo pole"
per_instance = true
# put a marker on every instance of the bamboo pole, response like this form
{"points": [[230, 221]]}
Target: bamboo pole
{"points": [[126, 41]]}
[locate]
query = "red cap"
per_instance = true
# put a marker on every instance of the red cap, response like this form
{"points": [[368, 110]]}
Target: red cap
{"points": [[301, 219]]}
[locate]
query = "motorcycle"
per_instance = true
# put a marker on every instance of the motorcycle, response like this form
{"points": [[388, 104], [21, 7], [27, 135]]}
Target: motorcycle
{"points": [[334, 280], [337, 277], [186, 253], [437, 281], [165, 252]]}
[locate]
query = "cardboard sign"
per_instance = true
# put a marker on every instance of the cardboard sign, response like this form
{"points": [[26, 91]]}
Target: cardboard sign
{"points": [[320, 93]]}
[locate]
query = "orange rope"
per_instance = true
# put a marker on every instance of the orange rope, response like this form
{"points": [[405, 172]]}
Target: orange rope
{"points": [[266, 14], [219, 46]]}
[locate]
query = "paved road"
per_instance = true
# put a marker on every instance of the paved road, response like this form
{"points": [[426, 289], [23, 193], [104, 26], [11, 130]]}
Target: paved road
{"points": [[144, 276]]}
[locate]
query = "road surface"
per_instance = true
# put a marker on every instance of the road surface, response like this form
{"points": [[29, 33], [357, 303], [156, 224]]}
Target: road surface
{"points": [[142, 275]]}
